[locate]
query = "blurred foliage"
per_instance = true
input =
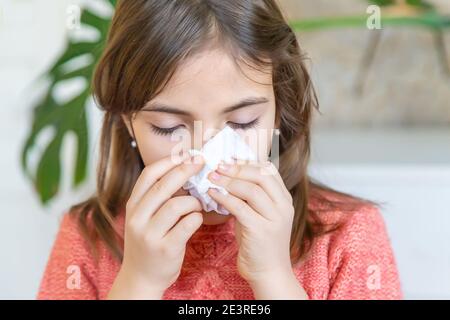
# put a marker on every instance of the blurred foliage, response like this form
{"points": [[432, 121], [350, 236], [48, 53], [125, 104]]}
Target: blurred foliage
{"points": [[429, 19], [393, 13], [65, 117], [71, 117], [418, 3]]}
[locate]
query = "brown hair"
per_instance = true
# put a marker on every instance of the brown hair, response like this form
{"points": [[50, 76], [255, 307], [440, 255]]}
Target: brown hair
{"points": [[147, 40]]}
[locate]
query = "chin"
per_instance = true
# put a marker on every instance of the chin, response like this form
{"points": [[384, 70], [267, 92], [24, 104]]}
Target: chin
{"points": [[212, 218], [209, 218]]}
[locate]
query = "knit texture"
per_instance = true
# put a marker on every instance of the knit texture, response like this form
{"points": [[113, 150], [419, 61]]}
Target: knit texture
{"points": [[354, 262]]}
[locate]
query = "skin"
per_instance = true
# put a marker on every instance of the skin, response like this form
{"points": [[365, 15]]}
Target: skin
{"points": [[161, 216], [204, 87]]}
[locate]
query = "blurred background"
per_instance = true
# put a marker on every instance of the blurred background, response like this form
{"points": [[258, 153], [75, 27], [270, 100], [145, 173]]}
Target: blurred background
{"points": [[383, 132]]}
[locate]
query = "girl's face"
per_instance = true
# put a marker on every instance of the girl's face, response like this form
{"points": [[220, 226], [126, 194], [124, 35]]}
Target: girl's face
{"points": [[210, 91]]}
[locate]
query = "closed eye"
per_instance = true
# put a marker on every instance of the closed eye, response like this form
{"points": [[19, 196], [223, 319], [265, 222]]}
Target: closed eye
{"points": [[234, 125], [244, 126], [164, 131]]}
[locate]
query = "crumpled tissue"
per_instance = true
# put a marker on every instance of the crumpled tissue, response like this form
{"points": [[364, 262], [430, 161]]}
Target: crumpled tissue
{"points": [[227, 145]]}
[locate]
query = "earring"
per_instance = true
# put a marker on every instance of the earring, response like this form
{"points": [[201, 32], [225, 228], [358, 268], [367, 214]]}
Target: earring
{"points": [[133, 143]]}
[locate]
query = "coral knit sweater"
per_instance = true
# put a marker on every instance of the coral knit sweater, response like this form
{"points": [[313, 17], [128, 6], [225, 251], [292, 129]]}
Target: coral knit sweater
{"points": [[354, 262]]}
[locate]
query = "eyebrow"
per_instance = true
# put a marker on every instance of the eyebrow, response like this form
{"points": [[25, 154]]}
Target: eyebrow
{"points": [[159, 107]]}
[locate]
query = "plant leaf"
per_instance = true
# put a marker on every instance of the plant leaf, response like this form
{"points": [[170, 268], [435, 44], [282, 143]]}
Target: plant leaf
{"points": [[417, 3], [65, 117], [49, 171], [429, 19]]}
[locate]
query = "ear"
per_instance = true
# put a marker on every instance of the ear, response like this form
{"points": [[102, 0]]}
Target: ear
{"points": [[127, 121]]}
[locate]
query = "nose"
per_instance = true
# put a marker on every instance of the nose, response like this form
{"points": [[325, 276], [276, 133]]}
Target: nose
{"points": [[209, 133], [203, 132]]}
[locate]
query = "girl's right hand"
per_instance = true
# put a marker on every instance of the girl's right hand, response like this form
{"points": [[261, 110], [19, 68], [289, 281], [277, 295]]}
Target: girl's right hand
{"points": [[155, 241]]}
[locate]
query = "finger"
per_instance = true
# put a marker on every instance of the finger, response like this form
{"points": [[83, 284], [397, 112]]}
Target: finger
{"points": [[184, 229], [170, 212], [164, 188], [252, 193], [264, 175], [237, 207], [150, 174], [267, 168]]}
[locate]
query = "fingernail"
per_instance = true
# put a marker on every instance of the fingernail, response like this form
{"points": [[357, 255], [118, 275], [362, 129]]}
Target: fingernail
{"points": [[184, 154], [214, 176], [197, 159], [224, 167]]}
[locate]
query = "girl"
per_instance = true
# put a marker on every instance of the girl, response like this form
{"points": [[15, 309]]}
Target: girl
{"points": [[167, 66]]}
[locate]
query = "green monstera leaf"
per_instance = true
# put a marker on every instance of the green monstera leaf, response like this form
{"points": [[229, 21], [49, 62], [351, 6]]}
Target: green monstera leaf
{"points": [[68, 116]]}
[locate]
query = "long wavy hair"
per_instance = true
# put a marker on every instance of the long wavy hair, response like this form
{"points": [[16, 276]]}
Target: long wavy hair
{"points": [[147, 40]]}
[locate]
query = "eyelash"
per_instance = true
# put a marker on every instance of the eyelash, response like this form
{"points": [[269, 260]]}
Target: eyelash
{"points": [[163, 131], [167, 131], [245, 126]]}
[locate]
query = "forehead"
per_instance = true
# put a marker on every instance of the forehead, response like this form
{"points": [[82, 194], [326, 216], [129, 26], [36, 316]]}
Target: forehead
{"points": [[213, 76]]}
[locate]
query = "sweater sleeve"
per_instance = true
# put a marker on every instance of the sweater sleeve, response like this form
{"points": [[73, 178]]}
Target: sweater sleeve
{"points": [[70, 270], [364, 263]]}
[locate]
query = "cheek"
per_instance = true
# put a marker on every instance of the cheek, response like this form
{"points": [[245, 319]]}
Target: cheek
{"points": [[149, 153], [265, 144], [154, 147], [265, 132], [147, 142], [271, 135]]}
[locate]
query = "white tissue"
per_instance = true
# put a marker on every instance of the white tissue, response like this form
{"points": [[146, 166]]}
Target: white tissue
{"points": [[226, 145]]}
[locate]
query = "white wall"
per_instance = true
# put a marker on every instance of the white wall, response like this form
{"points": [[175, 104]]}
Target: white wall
{"points": [[31, 35], [408, 171]]}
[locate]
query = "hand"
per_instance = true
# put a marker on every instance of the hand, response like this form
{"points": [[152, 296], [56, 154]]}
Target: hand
{"points": [[155, 241], [264, 212]]}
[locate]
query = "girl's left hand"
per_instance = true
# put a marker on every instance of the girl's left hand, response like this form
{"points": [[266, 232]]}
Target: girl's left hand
{"points": [[264, 212]]}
